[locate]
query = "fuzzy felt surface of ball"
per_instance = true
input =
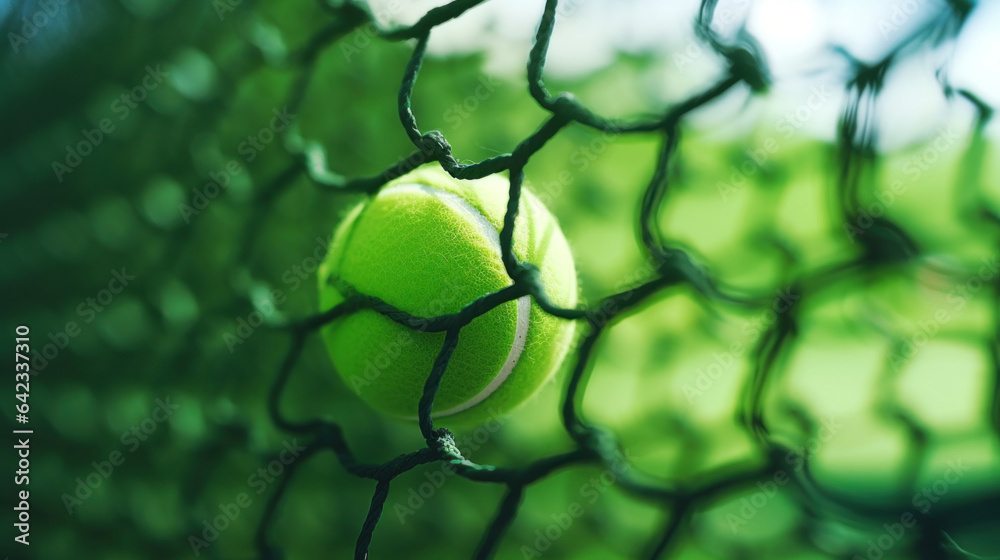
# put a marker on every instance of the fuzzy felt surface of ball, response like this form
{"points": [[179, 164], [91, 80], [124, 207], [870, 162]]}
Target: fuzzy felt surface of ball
{"points": [[429, 244]]}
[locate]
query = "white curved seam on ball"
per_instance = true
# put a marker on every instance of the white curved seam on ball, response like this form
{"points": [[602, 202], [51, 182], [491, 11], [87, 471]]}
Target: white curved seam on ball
{"points": [[523, 303]]}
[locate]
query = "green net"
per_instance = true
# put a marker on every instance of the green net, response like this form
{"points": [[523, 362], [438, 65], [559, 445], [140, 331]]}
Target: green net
{"points": [[883, 244], [325, 121]]}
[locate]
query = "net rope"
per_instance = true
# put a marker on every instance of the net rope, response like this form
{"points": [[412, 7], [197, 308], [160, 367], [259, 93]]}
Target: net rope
{"points": [[884, 243]]}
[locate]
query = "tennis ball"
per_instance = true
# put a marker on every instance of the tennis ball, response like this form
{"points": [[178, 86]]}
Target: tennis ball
{"points": [[429, 244]]}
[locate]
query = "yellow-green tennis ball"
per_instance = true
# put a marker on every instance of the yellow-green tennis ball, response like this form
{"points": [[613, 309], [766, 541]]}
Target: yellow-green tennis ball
{"points": [[429, 244]]}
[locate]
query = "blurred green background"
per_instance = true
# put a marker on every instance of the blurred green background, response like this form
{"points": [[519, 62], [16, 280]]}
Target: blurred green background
{"points": [[896, 362]]}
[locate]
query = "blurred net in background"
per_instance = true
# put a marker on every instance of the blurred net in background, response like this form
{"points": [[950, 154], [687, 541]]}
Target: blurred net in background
{"points": [[798, 357]]}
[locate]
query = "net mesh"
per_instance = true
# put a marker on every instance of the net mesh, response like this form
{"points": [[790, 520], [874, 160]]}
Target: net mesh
{"points": [[883, 246], [883, 243]]}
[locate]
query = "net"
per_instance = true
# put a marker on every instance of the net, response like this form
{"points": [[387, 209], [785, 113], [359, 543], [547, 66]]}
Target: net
{"points": [[197, 265], [883, 243]]}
